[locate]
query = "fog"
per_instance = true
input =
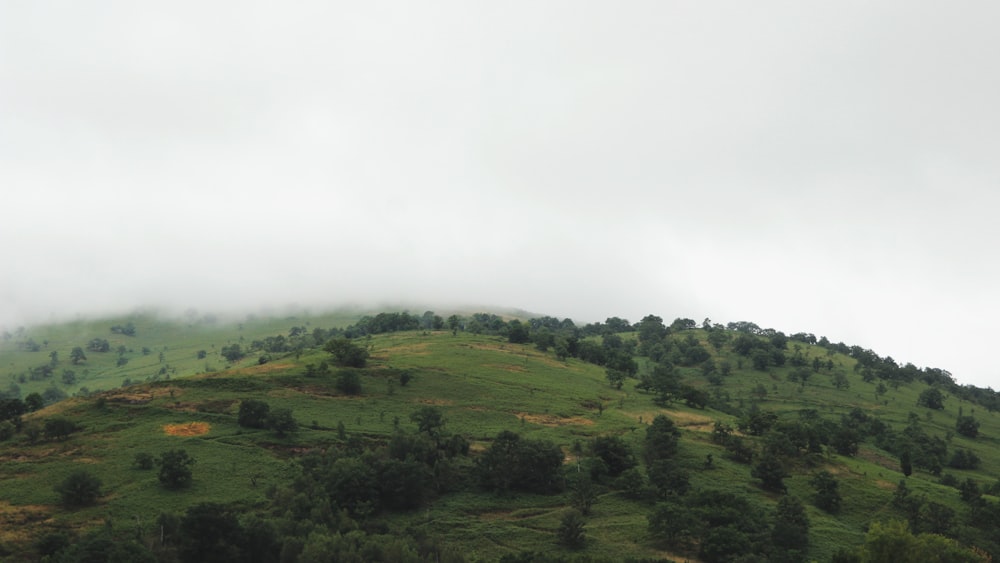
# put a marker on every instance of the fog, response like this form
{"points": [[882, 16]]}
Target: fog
{"points": [[821, 168]]}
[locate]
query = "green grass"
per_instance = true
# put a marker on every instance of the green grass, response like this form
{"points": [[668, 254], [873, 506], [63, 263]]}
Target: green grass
{"points": [[482, 384]]}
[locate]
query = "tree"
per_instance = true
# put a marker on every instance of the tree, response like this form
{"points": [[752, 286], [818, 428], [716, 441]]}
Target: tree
{"points": [[232, 353], [77, 355], [348, 382], [615, 377], [827, 496], [771, 473], [571, 533], [281, 421], [661, 439], [346, 353], [99, 345], [34, 402], [175, 468], [965, 425], [429, 420], [517, 332], [614, 452], [211, 532], [143, 460], [253, 413], [932, 398], [790, 535], [59, 428], [905, 464], [80, 488]]}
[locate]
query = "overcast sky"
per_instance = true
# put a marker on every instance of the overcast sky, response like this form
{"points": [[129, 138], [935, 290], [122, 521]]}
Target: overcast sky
{"points": [[821, 167]]}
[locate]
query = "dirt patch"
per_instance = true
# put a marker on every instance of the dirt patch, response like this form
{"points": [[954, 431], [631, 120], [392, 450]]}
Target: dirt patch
{"points": [[187, 429], [552, 420], [877, 458], [885, 485]]}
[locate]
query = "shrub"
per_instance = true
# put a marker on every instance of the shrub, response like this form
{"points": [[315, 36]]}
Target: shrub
{"points": [[79, 489]]}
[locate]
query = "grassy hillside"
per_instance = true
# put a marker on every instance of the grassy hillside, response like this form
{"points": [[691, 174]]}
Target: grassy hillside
{"points": [[482, 384]]}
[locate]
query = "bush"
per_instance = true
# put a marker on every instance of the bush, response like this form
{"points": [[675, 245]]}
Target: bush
{"points": [[79, 489], [143, 460], [253, 414]]}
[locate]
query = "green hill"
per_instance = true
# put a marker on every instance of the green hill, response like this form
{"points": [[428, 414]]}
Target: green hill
{"points": [[441, 447]]}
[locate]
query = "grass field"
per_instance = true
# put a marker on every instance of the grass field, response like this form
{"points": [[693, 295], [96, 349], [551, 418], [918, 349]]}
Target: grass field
{"points": [[482, 384]]}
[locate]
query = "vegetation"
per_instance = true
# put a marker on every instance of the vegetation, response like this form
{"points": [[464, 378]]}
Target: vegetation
{"points": [[456, 437]]}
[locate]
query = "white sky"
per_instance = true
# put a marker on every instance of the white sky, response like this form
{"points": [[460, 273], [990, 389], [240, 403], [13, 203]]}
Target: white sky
{"points": [[822, 167]]}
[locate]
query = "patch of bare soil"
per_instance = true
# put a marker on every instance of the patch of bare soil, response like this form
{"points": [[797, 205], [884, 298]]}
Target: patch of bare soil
{"points": [[419, 349], [187, 429], [553, 420]]}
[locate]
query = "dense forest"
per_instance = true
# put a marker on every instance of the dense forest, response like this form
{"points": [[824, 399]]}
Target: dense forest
{"points": [[468, 437]]}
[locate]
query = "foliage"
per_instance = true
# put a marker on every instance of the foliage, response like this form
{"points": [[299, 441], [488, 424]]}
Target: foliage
{"points": [[282, 421], [175, 468], [80, 488], [571, 530], [967, 426], [515, 464], [827, 495], [614, 452], [346, 353], [253, 413], [932, 398], [348, 382]]}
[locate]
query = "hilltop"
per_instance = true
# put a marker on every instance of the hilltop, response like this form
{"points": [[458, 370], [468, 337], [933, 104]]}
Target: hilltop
{"points": [[478, 437]]}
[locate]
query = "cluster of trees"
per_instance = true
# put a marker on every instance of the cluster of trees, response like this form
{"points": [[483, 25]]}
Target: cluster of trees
{"points": [[259, 414]]}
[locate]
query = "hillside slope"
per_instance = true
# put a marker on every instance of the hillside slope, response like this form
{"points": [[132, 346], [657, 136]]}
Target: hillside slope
{"points": [[800, 410]]}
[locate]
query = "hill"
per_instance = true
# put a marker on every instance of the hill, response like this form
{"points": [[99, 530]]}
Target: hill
{"points": [[480, 437]]}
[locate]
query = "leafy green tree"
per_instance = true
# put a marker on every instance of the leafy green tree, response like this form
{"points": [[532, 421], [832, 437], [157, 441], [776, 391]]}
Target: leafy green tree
{"points": [[771, 473], [827, 496], [932, 398], [661, 439], [632, 484], [143, 460], [175, 468], [429, 420], [965, 425], [790, 534], [211, 532], [615, 377], [676, 525], [76, 356], [518, 332], [615, 453], [905, 464], [34, 402], [253, 413], [348, 382], [80, 488], [346, 353], [59, 428], [892, 542], [571, 530], [99, 345], [583, 494], [281, 421], [512, 463], [232, 353]]}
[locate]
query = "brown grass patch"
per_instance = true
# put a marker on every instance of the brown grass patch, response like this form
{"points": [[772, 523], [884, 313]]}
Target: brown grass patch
{"points": [[884, 485], [506, 367], [419, 349], [435, 402], [552, 420], [262, 368], [187, 429], [18, 523], [683, 419]]}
